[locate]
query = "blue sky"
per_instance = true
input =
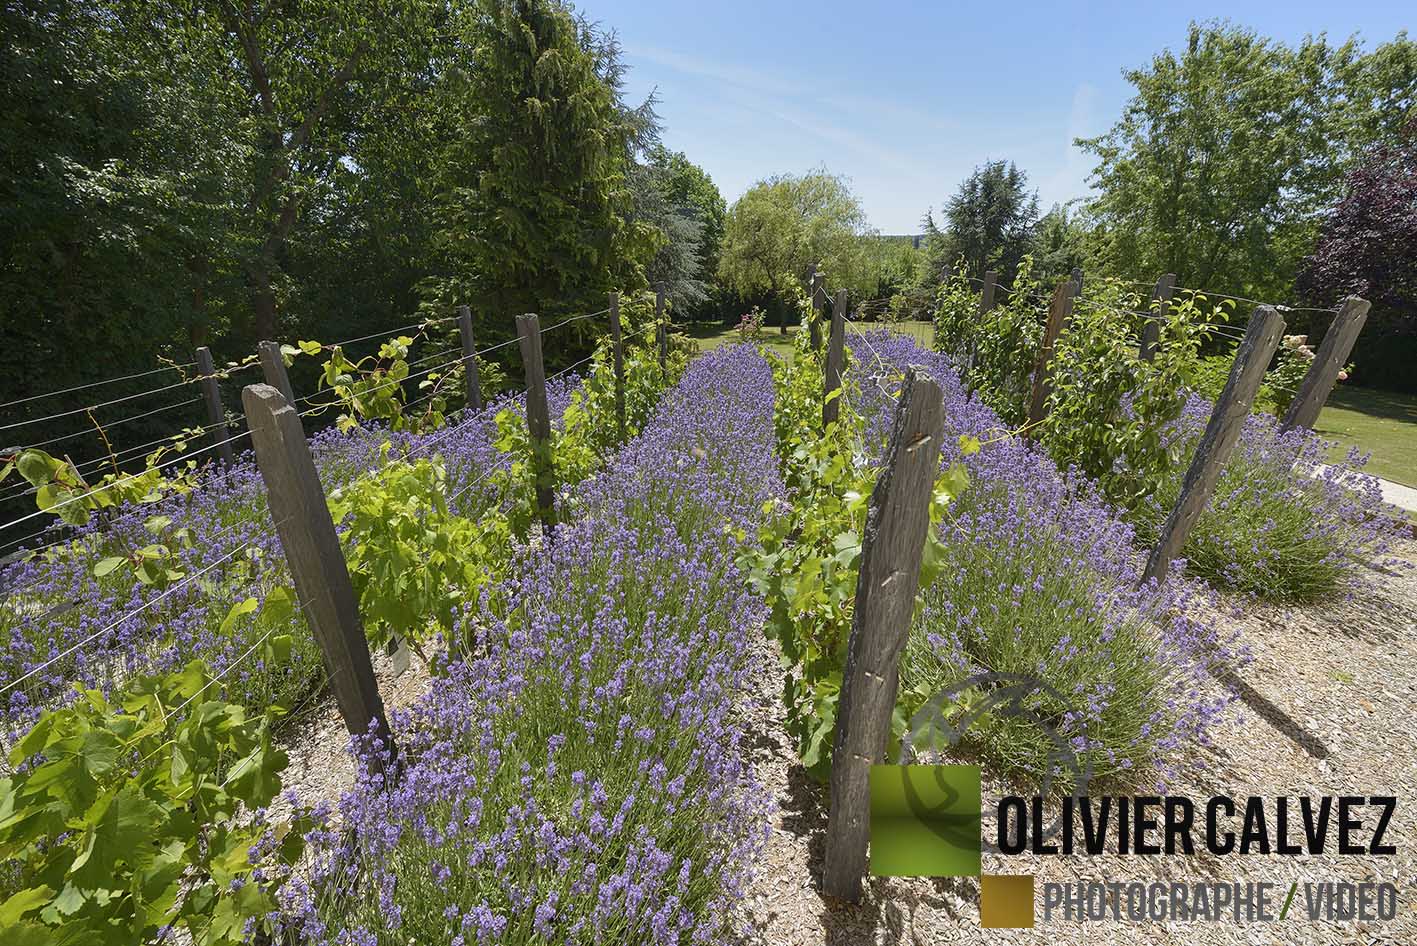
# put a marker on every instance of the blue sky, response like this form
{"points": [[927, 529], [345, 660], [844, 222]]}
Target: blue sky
{"points": [[906, 98]]}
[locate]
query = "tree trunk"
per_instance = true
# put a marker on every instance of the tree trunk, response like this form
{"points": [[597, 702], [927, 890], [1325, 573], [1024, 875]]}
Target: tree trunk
{"points": [[263, 303], [198, 326]]}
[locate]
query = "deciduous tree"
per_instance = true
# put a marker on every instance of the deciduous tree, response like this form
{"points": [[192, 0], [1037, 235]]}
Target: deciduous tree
{"points": [[785, 224], [1228, 151]]}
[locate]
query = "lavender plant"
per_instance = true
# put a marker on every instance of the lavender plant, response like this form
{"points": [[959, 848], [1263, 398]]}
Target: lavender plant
{"points": [[581, 779], [1041, 580], [1286, 522], [69, 619]]}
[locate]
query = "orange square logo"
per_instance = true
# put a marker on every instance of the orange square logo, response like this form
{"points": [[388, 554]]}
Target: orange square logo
{"points": [[1006, 901]]}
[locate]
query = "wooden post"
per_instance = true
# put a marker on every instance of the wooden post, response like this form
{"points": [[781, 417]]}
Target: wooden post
{"points": [[1077, 281], [619, 352], [897, 520], [273, 367], [662, 330], [987, 294], [1059, 310], [469, 359], [819, 305], [538, 418], [1328, 362], [831, 375], [1251, 360], [987, 300], [1151, 324], [302, 519], [216, 414]]}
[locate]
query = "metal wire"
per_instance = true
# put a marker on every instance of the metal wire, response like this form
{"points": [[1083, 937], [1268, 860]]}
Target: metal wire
{"points": [[492, 348], [571, 367], [130, 451], [387, 333], [1275, 305], [316, 408], [94, 407], [500, 465], [94, 384], [115, 423], [130, 615], [574, 318], [125, 479]]}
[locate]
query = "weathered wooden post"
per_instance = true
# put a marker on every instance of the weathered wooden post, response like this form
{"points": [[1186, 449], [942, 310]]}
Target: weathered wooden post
{"points": [[988, 292], [1216, 444], [662, 329], [618, 347], [1328, 362], [1077, 281], [897, 520], [273, 368], [538, 418], [988, 295], [836, 353], [1059, 309], [302, 519], [1151, 322], [819, 305], [469, 359], [216, 414]]}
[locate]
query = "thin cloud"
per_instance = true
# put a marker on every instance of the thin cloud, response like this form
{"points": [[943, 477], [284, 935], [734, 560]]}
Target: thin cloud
{"points": [[749, 78]]}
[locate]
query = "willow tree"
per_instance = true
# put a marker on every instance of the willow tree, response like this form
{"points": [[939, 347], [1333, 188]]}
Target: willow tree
{"points": [[785, 224]]}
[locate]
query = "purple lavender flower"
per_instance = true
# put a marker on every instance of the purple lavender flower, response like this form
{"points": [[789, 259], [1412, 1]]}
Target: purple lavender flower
{"points": [[582, 768]]}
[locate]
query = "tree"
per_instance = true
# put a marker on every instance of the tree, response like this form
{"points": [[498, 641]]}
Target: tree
{"points": [[785, 224], [535, 207], [688, 186], [988, 222], [110, 192], [1059, 244], [289, 85], [1368, 246], [683, 206], [1224, 157]]}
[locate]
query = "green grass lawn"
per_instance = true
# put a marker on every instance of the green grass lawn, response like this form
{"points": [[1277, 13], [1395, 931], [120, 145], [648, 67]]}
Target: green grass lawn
{"points": [[1377, 422], [711, 336]]}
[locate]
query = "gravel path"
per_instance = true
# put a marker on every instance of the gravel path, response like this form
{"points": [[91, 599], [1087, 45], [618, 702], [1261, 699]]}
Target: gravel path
{"points": [[1326, 708], [317, 741]]}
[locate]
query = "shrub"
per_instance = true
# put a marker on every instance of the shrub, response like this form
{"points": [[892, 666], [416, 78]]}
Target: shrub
{"points": [[806, 562], [123, 821], [1107, 407], [750, 325], [1285, 522], [999, 347], [70, 621], [1281, 383]]}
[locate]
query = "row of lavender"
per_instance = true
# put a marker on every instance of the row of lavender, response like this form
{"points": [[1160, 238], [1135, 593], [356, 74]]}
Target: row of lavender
{"points": [[579, 778], [1042, 581], [66, 622]]}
